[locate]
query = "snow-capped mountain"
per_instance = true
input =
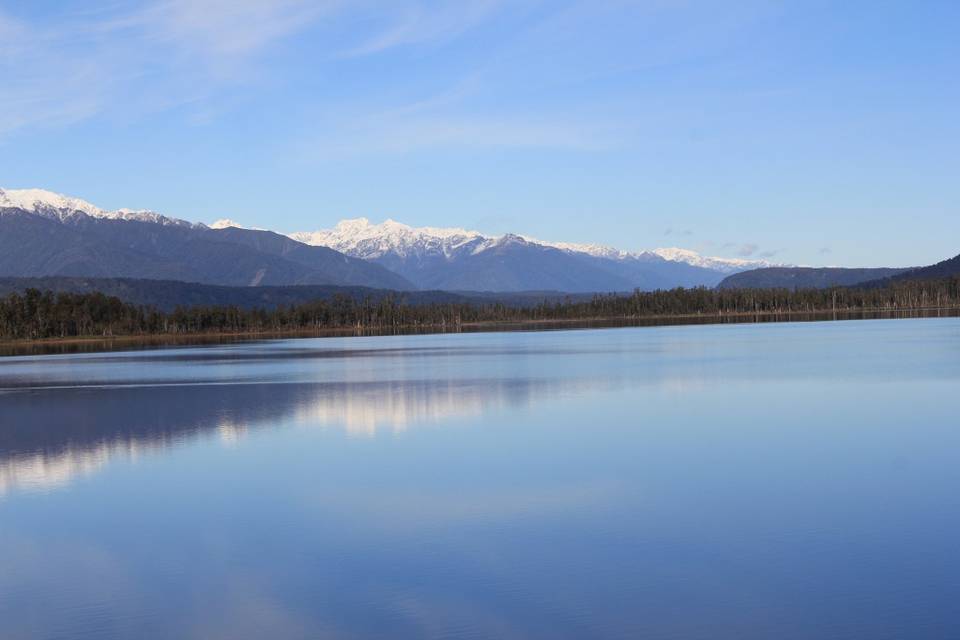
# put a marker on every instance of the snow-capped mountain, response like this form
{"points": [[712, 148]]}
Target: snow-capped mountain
{"points": [[672, 254], [725, 265], [59, 207], [362, 239], [452, 258], [47, 234]]}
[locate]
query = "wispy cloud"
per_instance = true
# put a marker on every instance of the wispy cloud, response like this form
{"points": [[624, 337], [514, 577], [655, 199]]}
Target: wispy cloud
{"points": [[404, 132], [203, 57], [43, 82], [424, 22], [226, 28], [747, 250], [163, 53]]}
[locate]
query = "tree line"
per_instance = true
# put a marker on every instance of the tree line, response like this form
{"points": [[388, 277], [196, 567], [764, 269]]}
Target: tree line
{"points": [[38, 314]]}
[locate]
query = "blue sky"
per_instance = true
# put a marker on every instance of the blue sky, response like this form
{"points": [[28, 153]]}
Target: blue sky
{"points": [[808, 132]]}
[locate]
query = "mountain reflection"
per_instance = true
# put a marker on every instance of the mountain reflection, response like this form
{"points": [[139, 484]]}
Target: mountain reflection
{"points": [[51, 436]]}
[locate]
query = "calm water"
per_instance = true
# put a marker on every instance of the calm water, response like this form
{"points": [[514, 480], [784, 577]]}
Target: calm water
{"points": [[742, 481]]}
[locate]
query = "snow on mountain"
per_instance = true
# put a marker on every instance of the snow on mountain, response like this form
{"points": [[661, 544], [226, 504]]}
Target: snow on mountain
{"points": [[226, 223], [595, 250], [726, 265], [60, 207], [363, 239], [40, 201], [673, 254]]}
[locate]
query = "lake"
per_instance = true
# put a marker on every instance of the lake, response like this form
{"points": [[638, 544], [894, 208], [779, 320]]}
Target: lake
{"points": [[793, 480]]}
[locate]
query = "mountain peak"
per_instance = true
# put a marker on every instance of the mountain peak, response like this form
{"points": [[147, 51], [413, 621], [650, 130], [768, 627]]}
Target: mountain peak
{"points": [[511, 238], [60, 207], [43, 201], [361, 238], [226, 223]]}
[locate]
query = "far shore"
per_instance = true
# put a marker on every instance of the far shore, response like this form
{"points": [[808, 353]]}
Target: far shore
{"points": [[129, 342]]}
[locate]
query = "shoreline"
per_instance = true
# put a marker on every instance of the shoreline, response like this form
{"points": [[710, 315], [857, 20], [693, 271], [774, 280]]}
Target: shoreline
{"points": [[74, 344]]}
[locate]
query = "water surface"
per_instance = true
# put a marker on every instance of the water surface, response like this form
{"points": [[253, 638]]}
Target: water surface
{"points": [[793, 480]]}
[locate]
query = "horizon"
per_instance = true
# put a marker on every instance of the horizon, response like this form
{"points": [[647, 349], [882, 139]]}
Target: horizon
{"points": [[784, 131]]}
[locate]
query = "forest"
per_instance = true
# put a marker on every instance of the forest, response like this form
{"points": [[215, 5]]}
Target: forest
{"points": [[36, 314]]}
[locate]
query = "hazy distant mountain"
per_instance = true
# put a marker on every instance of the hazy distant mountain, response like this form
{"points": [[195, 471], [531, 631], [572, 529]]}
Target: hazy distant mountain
{"points": [[46, 234], [804, 277], [457, 259]]}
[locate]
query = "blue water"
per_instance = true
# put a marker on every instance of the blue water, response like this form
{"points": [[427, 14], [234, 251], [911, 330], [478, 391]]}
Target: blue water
{"points": [[739, 481]]}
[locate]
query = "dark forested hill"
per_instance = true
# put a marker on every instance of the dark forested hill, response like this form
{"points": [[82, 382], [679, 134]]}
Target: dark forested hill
{"points": [[804, 277], [944, 269], [168, 294], [813, 278]]}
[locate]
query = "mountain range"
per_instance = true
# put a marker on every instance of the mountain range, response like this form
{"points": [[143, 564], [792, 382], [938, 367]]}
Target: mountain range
{"points": [[47, 234], [461, 260]]}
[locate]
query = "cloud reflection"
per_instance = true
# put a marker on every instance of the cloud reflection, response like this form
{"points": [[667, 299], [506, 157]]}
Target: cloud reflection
{"points": [[43, 472], [54, 436]]}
